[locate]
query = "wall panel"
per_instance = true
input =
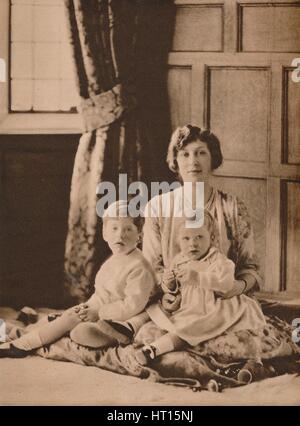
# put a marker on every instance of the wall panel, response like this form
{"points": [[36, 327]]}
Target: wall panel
{"points": [[179, 89], [291, 256], [239, 111], [291, 133], [253, 192], [193, 23], [269, 27]]}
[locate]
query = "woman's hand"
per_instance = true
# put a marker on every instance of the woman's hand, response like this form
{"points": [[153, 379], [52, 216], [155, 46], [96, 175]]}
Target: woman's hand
{"points": [[87, 313], [238, 289], [171, 302]]}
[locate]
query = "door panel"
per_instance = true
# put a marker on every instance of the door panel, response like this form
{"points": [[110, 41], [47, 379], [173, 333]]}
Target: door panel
{"points": [[270, 27], [291, 274], [291, 118], [193, 23], [179, 90], [239, 110], [254, 193]]}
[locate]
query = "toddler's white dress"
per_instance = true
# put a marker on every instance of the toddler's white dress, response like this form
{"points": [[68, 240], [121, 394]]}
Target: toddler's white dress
{"points": [[202, 314]]}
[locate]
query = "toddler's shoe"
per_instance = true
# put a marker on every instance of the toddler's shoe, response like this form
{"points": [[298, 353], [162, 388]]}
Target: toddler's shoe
{"points": [[145, 355], [13, 352]]}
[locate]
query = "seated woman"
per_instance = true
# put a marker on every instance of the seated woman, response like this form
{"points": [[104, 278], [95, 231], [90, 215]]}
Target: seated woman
{"points": [[193, 155]]}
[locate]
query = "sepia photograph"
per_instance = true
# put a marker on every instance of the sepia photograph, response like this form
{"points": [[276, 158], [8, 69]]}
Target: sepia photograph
{"points": [[150, 205]]}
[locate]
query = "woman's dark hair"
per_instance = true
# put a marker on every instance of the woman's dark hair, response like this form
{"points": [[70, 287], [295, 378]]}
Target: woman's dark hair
{"points": [[182, 136]]}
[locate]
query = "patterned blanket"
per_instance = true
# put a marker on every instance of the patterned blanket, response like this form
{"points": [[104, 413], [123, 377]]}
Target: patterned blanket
{"points": [[216, 364]]}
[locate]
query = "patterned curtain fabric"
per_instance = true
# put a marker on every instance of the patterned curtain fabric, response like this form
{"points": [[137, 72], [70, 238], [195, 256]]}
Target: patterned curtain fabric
{"points": [[103, 35]]}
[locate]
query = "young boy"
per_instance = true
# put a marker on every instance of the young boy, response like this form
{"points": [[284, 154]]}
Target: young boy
{"points": [[122, 289]]}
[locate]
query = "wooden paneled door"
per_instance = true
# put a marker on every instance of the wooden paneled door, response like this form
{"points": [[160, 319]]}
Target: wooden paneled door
{"points": [[230, 70]]}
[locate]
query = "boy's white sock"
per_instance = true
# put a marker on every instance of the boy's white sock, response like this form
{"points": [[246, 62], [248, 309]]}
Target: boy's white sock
{"points": [[29, 341], [5, 345]]}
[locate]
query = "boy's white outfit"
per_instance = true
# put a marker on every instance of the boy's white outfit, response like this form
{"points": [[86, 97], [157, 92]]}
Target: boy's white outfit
{"points": [[123, 286], [202, 315]]}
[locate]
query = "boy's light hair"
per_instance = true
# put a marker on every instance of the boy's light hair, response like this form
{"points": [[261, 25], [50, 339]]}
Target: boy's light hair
{"points": [[120, 209]]}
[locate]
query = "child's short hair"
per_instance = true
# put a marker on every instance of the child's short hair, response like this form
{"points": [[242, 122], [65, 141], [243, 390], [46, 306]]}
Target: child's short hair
{"points": [[120, 209]]}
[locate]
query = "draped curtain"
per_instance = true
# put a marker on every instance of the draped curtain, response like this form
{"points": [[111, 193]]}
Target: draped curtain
{"points": [[103, 35]]}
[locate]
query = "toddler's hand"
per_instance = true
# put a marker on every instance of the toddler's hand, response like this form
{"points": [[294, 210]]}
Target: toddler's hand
{"points": [[77, 308], [87, 313], [171, 302], [169, 280], [186, 275]]}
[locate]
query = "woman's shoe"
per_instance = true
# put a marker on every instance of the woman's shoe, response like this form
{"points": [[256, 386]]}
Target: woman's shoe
{"points": [[13, 352]]}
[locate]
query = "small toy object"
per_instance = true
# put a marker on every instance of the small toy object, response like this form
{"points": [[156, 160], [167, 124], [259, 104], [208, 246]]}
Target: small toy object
{"points": [[245, 376], [192, 384], [231, 371], [252, 370], [214, 386]]}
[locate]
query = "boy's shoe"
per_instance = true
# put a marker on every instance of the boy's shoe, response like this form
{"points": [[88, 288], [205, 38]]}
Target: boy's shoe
{"points": [[13, 352], [53, 316], [27, 316], [122, 332], [15, 333], [145, 355]]}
